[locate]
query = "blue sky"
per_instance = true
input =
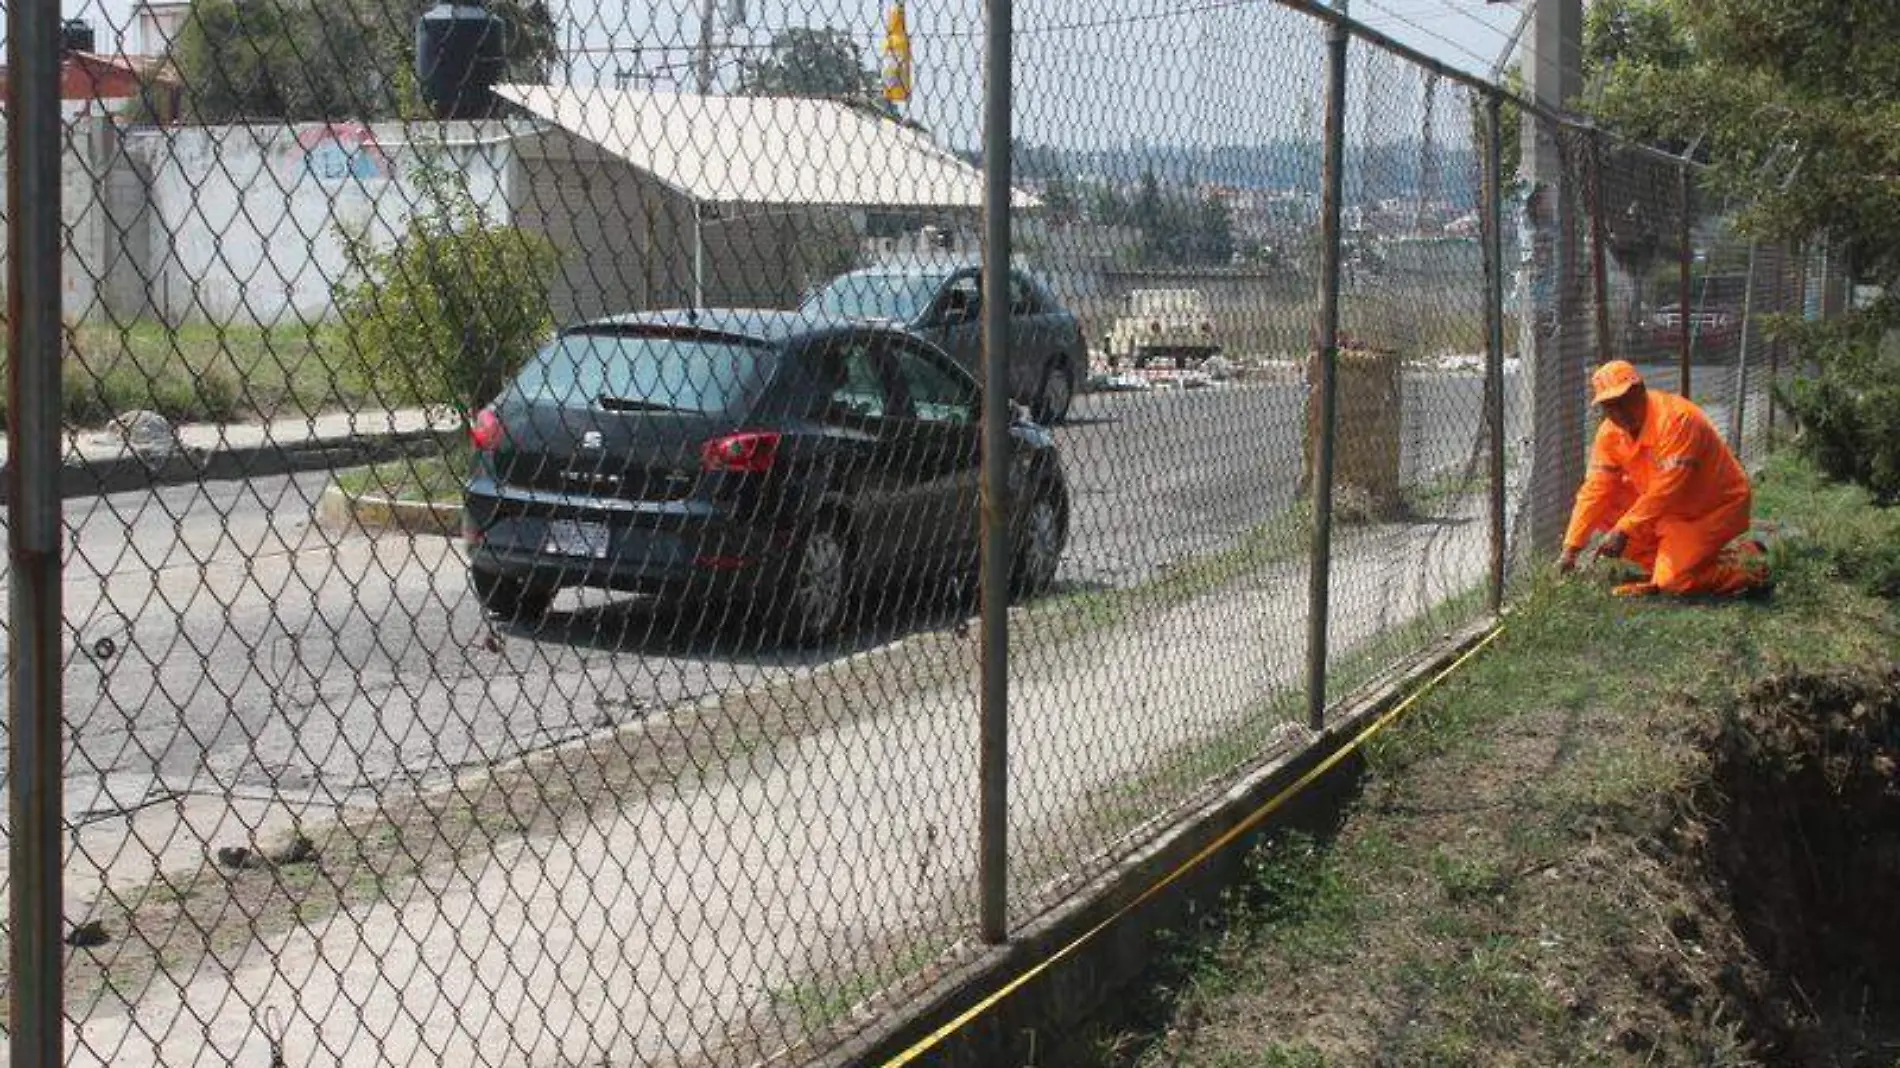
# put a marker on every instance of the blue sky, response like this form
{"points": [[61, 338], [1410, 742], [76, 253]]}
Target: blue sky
{"points": [[1090, 73]]}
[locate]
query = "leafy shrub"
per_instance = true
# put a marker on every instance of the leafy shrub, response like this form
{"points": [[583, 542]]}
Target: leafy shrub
{"points": [[1848, 409], [454, 308]]}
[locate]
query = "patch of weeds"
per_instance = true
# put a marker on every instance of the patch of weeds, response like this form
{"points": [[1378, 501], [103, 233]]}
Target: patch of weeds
{"points": [[437, 479], [1274, 541], [1295, 894], [1277, 1056], [816, 1002], [1467, 878]]}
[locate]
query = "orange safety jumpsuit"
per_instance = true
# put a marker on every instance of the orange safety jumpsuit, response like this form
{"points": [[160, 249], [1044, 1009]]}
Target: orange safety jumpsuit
{"points": [[1676, 492]]}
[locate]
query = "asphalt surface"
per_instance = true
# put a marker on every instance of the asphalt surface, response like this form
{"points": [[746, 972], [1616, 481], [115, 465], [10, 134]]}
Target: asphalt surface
{"points": [[221, 647]]}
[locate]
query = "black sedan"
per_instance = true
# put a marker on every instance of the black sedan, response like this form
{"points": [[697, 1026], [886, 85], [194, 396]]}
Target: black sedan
{"points": [[780, 460], [942, 303]]}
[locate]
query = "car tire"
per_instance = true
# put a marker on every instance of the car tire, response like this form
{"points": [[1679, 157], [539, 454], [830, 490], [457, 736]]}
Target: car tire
{"points": [[817, 591], [1057, 393], [510, 599], [1041, 535]]}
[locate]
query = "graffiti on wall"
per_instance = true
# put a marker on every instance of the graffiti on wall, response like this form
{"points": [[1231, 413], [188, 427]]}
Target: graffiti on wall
{"points": [[335, 152]]}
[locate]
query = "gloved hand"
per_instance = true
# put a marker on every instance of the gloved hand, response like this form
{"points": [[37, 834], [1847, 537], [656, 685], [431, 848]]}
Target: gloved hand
{"points": [[1613, 545]]}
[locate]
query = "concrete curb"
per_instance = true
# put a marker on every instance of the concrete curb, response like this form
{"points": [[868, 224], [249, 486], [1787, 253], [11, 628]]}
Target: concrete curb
{"points": [[341, 510], [83, 476]]}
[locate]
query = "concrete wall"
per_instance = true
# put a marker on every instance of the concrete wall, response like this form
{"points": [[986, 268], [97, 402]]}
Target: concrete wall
{"points": [[249, 223], [102, 206]]}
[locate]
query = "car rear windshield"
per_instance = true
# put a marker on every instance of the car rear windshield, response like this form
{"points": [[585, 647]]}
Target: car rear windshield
{"points": [[898, 296], [648, 372]]}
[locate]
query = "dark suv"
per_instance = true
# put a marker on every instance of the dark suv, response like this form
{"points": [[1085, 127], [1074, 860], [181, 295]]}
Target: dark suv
{"points": [[942, 303], [770, 457]]}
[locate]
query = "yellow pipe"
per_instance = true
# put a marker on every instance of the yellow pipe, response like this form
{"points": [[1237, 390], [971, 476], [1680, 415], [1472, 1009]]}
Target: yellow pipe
{"points": [[1253, 820]]}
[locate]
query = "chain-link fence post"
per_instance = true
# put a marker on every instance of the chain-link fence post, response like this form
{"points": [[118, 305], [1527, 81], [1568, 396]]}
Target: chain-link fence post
{"points": [[1493, 219], [35, 692], [1738, 413], [993, 823], [1599, 253], [1685, 282], [1332, 170]]}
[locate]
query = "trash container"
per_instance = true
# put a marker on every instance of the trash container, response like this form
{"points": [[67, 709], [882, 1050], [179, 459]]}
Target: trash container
{"points": [[1368, 413]]}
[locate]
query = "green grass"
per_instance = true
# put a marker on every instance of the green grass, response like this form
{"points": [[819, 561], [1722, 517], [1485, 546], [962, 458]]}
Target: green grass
{"points": [[1501, 890], [436, 479], [203, 373]]}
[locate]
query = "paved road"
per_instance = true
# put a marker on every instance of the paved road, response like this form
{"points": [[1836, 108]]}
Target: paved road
{"points": [[224, 652]]}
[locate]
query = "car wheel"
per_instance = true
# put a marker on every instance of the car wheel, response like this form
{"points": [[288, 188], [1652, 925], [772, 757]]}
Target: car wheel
{"points": [[1039, 542], [820, 584], [510, 599], [1058, 390]]}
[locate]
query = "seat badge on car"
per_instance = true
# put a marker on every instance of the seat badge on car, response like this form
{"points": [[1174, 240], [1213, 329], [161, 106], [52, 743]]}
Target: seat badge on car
{"points": [[591, 440]]}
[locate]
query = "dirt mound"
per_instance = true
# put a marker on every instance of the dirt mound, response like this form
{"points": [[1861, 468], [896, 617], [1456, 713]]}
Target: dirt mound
{"points": [[1805, 836]]}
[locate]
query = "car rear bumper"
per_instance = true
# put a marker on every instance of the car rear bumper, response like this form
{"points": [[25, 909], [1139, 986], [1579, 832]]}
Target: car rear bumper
{"points": [[675, 547]]}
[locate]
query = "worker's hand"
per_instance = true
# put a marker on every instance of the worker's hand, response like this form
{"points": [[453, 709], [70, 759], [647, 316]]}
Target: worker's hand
{"points": [[1567, 563], [1613, 545]]}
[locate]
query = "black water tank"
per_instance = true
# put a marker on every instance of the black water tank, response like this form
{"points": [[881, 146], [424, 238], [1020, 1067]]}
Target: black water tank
{"points": [[461, 50], [75, 35]]}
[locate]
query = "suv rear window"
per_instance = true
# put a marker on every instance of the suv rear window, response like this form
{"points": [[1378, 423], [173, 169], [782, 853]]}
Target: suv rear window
{"points": [[651, 372]]}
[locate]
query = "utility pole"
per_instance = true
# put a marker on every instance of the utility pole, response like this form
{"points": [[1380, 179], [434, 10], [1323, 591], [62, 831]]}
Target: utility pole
{"points": [[1555, 329]]}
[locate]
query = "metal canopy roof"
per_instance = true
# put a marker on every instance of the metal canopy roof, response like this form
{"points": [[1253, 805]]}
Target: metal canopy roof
{"points": [[763, 150]]}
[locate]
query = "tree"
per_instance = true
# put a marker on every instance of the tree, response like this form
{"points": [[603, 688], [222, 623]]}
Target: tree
{"points": [[1108, 207], [1212, 240], [821, 63], [301, 60], [1059, 201], [1795, 104]]}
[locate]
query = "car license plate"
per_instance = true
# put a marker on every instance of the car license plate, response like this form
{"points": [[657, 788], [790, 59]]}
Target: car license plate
{"points": [[572, 537]]}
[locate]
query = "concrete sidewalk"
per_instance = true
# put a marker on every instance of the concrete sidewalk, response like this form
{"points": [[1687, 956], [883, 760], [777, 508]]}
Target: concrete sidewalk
{"points": [[114, 460], [760, 881]]}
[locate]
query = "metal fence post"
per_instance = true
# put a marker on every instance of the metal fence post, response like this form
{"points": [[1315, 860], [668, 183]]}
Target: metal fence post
{"points": [[993, 821], [1494, 334], [1319, 589], [1741, 355], [1685, 284], [1599, 255], [1780, 305], [34, 687]]}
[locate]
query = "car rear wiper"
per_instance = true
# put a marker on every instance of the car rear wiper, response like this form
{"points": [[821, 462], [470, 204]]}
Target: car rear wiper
{"points": [[631, 404]]}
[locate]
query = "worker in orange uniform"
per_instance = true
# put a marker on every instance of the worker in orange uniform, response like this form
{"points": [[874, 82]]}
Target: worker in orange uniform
{"points": [[1666, 493]]}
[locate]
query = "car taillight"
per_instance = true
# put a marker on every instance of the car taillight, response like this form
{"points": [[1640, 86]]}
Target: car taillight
{"points": [[751, 451], [486, 432]]}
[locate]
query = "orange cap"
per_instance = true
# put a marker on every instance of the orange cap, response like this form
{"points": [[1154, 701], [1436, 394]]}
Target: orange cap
{"points": [[1612, 380]]}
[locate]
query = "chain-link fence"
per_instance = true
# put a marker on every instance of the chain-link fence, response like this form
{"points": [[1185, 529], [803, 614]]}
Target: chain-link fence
{"points": [[523, 500]]}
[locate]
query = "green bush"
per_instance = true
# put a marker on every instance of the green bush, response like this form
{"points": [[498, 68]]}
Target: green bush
{"points": [[1848, 410], [450, 312]]}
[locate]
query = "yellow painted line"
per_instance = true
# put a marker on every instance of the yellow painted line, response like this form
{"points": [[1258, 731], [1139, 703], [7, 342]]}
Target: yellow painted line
{"points": [[1313, 775]]}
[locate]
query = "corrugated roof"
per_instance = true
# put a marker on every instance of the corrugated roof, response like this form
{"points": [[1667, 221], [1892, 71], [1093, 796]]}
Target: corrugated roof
{"points": [[763, 150]]}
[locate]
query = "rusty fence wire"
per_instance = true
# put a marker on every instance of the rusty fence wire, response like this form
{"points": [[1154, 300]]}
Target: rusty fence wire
{"points": [[522, 500]]}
